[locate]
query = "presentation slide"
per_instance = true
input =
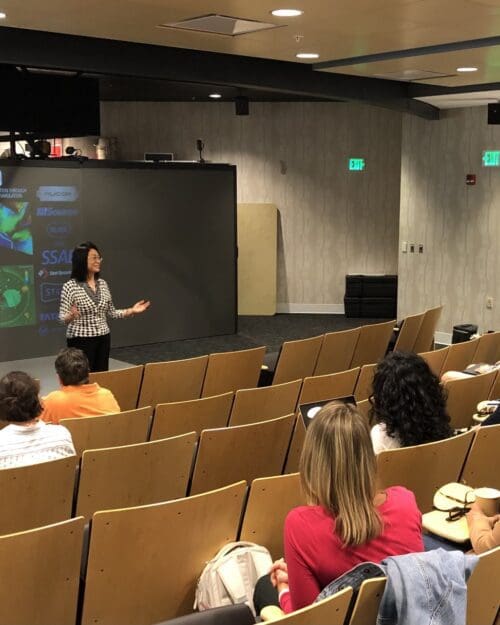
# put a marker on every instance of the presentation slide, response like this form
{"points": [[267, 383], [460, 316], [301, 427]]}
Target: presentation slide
{"points": [[166, 233]]}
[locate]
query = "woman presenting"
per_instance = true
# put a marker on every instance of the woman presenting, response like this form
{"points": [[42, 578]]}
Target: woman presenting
{"points": [[85, 303]]}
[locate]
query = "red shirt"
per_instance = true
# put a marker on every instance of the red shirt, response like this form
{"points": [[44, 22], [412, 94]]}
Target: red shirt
{"points": [[315, 555]]}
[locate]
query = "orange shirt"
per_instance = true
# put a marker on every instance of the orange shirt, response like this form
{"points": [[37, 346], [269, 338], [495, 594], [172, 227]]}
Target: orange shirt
{"points": [[84, 400]]}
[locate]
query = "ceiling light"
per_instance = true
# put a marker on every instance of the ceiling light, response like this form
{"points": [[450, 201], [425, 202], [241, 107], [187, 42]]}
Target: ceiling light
{"points": [[286, 12], [466, 69], [307, 55], [2, 15], [215, 96]]}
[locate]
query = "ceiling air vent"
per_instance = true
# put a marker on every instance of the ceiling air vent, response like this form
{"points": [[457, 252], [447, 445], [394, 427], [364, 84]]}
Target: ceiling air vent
{"points": [[220, 25], [411, 74]]}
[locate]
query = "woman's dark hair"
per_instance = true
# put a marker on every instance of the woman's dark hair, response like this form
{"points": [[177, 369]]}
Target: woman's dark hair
{"points": [[79, 258], [409, 400], [19, 399], [72, 366]]}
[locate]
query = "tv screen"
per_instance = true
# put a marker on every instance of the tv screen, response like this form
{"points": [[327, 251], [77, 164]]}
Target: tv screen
{"points": [[167, 233], [51, 106]]}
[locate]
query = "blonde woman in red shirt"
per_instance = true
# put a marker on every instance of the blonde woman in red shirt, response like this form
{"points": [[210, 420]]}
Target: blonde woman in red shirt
{"points": [[348, 520]]}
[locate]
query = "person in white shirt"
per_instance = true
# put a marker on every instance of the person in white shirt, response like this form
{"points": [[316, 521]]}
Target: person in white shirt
{"points": [[408, 403], [26, 440]]}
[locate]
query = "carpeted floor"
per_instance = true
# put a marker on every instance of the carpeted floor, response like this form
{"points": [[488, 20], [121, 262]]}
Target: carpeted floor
{"points": [[252, 332]]}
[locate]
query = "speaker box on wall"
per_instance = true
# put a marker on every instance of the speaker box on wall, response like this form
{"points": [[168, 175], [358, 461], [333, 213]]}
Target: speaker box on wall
{"points": [[494, 113], [241, 105]]}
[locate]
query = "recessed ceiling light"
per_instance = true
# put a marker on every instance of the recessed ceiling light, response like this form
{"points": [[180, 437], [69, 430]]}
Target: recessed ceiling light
{"points": [[466, 69], [2, 15], [286, 12], [307, 55], [215, 96]]}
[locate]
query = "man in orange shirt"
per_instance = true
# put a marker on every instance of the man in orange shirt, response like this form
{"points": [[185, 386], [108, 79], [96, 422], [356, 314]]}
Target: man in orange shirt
{"points": [[76, 397]]}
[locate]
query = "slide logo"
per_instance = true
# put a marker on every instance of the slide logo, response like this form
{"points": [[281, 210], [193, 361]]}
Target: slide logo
{"points": [[50, 292], [58, 229], [57, 194], [56, 257]]}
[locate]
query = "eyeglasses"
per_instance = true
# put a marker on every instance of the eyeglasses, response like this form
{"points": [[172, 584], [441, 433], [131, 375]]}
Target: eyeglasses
{"points": [[459, 511], [95, 258]]}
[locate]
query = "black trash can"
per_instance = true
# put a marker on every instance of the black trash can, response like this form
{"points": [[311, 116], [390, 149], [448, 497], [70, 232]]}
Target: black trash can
{"points": [[462, 332]]}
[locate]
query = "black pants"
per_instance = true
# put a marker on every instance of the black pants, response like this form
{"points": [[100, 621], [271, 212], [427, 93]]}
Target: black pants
{"points": [[265, 594], [96, 349]]}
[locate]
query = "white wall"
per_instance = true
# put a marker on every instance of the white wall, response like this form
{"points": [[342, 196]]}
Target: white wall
{"points": [[294, 155], [459, 225]]}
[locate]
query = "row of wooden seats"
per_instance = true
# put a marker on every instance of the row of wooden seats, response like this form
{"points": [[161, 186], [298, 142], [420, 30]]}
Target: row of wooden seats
{"points": [[241, 408], [157, 471], [259, 404], [143, 562], [142, 473], [205, 376], [456, 357]]}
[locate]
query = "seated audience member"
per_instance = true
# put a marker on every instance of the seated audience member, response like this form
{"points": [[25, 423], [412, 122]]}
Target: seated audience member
{"points": [[26, 440], [408, 403], [347, 520], [484, 531], [474, 369], [76, 397]]}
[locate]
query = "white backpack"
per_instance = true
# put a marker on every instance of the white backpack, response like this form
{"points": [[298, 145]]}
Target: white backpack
{"points": [[230, 576]]}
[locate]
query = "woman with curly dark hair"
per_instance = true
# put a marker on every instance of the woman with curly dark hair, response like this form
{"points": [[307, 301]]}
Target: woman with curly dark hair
{"points": [[408, 403]]}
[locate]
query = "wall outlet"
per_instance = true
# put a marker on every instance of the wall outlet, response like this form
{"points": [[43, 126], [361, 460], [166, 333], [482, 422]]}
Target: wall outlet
{"points": [[420, 248], [489, 302], [412, 248], [404, 247]]}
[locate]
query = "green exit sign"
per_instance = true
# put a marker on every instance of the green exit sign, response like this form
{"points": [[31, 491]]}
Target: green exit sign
{"points": [[356, 164], [491, 158]]}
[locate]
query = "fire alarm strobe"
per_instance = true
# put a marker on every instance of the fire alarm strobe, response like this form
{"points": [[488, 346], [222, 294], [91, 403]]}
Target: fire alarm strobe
{"points": [[470, 179]]}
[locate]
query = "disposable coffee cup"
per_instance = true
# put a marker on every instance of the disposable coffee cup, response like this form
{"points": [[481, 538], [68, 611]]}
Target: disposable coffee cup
{"points": [[488, 500]]}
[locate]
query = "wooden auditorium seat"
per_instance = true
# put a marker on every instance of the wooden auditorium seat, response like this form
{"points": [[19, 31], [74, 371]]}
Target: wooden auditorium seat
{"points": [[36, 495], [372, 343], [144, 562], [40, 573], [330, 611], [495, 389], [337, 351], [435, 359], [464, 396], [242, 452], [297, 359], [194, 415], [123, 383], [368, 601], [230, 371], [363, 388], [488, 348], [483, 590], [424, 468], [329, 386], [408, 333], [122, 428], [134, 475], [363, 407], [425, 338], [296, 444], [482, 466], [174, 380], [267, 402], [269, 501], [460, 355]]}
